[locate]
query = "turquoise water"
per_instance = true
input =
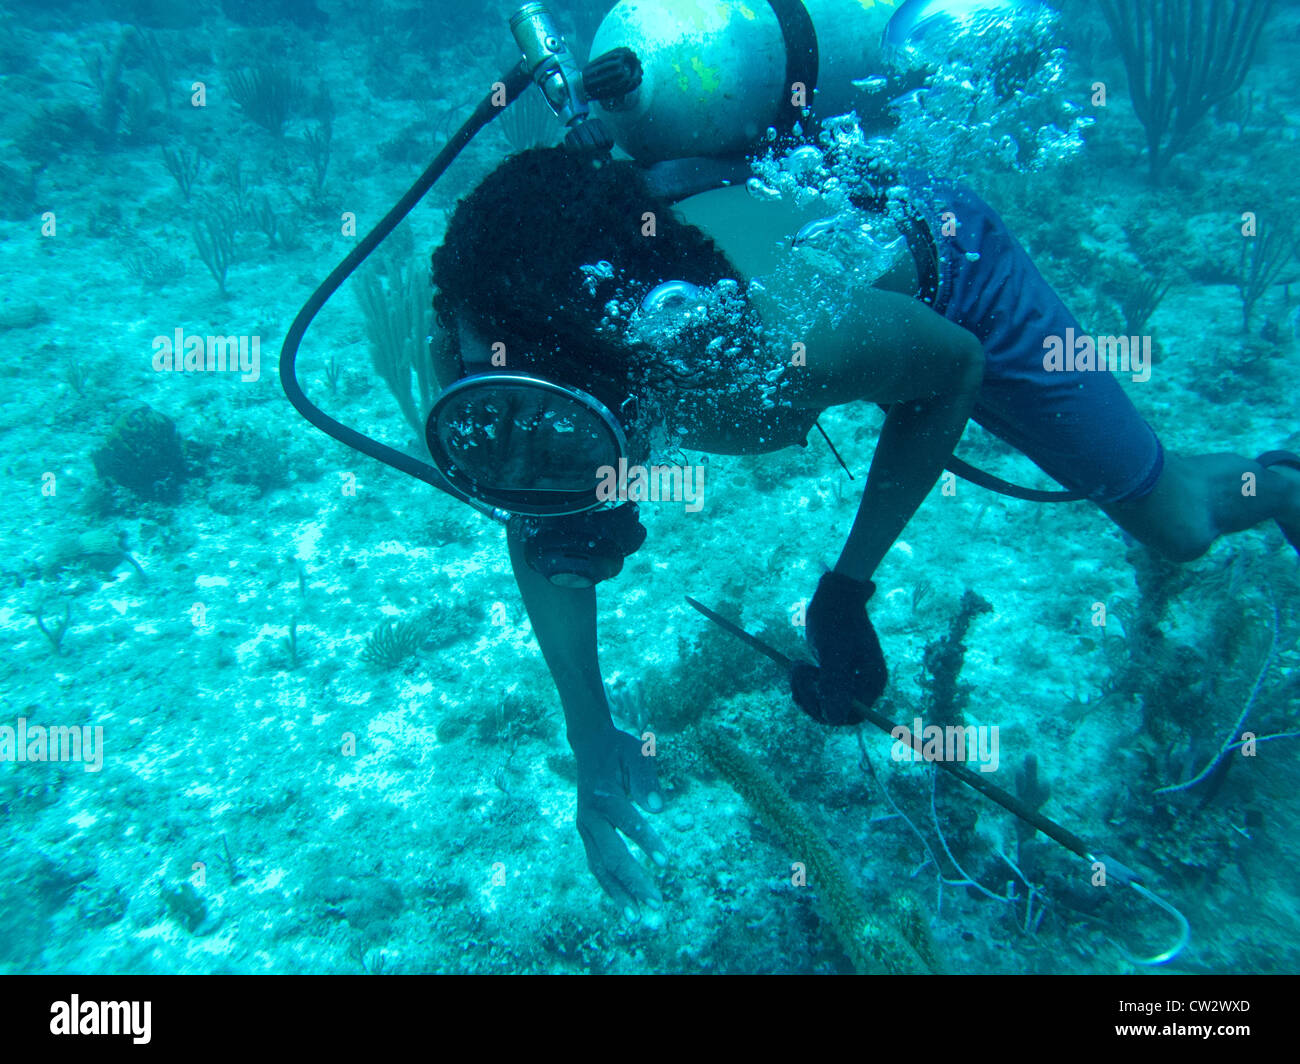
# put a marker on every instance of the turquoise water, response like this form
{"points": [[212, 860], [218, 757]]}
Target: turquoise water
{"points": [[312, 729]]}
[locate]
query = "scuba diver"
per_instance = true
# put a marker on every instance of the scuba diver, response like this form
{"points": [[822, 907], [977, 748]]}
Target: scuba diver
{"points": [[578, 337], [509, 271]]}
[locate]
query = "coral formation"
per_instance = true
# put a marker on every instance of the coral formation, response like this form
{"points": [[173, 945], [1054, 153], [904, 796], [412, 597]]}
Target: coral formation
{"points": [[875, 943], [943, 660], [143, 453]]}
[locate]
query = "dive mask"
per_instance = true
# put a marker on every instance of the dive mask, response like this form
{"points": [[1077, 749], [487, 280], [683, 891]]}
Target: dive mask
{"points": [[539, 451], [526, 445]]}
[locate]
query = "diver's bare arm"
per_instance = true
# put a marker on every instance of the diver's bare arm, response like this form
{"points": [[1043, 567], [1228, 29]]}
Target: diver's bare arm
{"points": [[564, 621], [614, 775], [928, 371]]}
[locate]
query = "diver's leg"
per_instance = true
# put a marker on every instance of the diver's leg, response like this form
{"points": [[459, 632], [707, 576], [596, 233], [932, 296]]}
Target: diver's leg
{"points": [[1201, 497]]}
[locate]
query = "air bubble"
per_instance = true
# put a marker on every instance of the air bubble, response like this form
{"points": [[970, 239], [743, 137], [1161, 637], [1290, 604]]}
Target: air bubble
{"points": [[803, 160]]}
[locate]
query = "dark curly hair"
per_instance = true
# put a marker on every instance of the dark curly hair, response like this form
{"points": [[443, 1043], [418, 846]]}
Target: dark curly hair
{"points": [[510, 264]]}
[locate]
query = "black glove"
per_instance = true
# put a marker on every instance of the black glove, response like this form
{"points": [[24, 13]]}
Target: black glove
{"points": [[847, 651]]}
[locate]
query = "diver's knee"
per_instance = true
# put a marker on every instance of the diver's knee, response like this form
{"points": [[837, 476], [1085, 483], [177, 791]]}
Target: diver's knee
{"points": [[1173, 541], [1170, 520], [1182, 545]]}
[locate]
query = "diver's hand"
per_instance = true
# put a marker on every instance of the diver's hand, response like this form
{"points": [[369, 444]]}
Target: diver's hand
{"points": [[612, 776], [851, 665]]}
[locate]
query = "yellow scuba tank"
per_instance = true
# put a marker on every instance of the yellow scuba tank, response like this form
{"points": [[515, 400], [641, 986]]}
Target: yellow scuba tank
{"points": [[717, 73]]}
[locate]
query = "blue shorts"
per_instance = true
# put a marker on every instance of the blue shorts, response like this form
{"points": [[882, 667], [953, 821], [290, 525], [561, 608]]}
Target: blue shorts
{"points": [[1078, 427]]}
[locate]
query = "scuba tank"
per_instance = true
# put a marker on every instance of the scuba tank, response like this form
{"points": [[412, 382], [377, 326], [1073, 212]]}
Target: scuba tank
{"points": [[717, 74]]}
